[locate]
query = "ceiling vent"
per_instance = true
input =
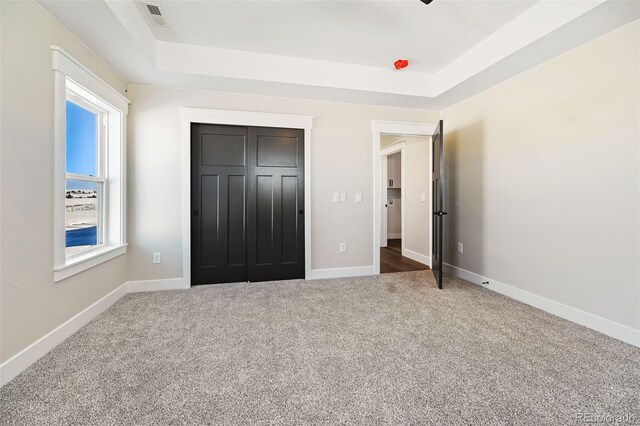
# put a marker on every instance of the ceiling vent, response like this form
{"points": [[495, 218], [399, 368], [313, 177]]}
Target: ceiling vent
{"points": [[155, 13]]}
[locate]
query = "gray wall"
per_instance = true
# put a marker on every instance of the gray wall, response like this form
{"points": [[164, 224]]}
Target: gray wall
{"points": [[543, 181]]}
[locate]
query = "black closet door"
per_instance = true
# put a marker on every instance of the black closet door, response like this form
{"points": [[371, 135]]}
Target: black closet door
{"points": [[275, 204], [218, 203]]}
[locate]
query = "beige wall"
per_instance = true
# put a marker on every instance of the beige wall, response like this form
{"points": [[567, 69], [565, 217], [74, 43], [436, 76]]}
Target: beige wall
{"points": [[31, 304], [543, 181], [418, 182], [341, 159], [394, 217]]}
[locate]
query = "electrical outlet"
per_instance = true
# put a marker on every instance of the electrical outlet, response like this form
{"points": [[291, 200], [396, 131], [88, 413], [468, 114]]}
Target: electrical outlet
{"points": [[343, 247], [156, 257], [423, 198], [336, 197], [460, 248]]}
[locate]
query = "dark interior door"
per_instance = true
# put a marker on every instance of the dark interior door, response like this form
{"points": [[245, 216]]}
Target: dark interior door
{"points": [[275, 204], [218, 203], [247, 204], [437, 191]]}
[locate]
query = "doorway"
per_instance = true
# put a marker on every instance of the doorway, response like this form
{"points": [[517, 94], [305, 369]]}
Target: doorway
{"points": [[381, 129], [404, 231], [247, 204]]}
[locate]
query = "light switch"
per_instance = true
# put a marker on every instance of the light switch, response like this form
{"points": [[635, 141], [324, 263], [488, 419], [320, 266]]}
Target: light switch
{"points": [[423, 198], [336, 197], [358, 197], [343, 198]]}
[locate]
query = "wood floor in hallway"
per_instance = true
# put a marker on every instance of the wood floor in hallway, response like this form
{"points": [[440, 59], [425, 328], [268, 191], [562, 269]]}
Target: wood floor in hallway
{"points": [[392, 260]]}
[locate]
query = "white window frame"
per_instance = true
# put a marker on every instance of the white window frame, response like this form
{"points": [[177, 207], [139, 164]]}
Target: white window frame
{"points": [[77, 83]]}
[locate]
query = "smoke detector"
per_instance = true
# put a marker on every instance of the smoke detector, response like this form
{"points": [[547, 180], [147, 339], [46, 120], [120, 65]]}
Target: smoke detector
{"points": [[154, 11]]}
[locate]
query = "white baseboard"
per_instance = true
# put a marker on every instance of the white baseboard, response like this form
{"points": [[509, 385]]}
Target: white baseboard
{"points": [[391, 236], [610, 328], [32, 353], [425, 260], [26, 357], [157, 285], [358, 271]]}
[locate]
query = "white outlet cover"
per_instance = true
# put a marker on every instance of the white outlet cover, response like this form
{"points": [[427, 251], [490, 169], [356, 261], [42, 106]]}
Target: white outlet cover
{"points": [[460, 248], [358, 197], [423, 197], [343, 247], [336, 197], [343, 198]]}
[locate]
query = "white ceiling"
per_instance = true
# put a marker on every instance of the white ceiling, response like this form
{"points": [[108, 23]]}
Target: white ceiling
{"points": [[337, 50], [372, 33]]}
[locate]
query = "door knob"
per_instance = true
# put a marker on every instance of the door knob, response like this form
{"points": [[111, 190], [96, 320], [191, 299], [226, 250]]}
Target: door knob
{"points": [[300, 211], [196, 212], [439, 213]]}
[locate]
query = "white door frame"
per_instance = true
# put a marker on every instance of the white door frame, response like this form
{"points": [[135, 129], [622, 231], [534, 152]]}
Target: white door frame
{"points": [[396, 129], [190, 115], [384, 154]]}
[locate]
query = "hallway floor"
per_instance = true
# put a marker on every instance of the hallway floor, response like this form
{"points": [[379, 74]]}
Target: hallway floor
{"points": [[392, 260]]}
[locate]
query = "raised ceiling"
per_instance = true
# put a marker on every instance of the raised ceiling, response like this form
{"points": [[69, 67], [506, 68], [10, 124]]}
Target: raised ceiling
{"points": [[337, 50], [364, 33]]}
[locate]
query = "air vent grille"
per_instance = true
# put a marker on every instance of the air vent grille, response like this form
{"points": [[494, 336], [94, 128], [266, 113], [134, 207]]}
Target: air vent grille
{"points": [[154, 10], [155, 13]]}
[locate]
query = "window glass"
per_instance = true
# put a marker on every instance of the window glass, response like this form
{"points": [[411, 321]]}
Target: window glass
{"points": [[81, 146], [81, 216]]}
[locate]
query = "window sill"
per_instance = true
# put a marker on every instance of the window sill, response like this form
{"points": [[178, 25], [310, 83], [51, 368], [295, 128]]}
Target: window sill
{"points": [[87, 260]]}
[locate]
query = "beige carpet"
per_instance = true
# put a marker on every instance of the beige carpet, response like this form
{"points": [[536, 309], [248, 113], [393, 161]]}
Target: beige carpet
{"points": [[390, 349]]}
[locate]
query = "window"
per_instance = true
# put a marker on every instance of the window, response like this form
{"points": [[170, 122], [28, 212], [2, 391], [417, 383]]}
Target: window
{"points": [[85, 180], [89, 208]]}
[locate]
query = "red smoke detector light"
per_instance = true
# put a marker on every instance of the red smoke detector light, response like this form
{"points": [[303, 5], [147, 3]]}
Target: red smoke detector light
{"points": [[401, 63]]}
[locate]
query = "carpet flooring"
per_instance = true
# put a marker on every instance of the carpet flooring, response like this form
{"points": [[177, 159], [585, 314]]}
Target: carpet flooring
{"points": [[390, 349]]}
